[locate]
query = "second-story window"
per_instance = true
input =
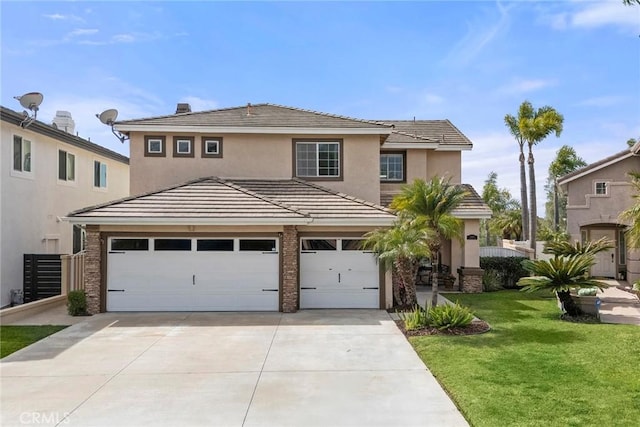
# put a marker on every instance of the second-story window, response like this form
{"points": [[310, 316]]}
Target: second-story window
{"points": [[317, 159], [211, 146], [392, 167], [183, 146], [154, 146], [99, 174], [66, 166], [601, 187], [21, 154]]}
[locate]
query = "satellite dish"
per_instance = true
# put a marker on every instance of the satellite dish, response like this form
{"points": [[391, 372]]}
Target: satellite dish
{"points": [[109, 116], [31, 100], [54, 125]]}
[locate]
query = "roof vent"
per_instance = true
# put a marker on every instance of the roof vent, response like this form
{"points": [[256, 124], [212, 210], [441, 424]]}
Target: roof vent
{"points": [[183, 107], [65, 122], [248, 109]]}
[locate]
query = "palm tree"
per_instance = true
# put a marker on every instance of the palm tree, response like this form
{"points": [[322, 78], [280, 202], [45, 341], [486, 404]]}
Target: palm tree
{"points": [[514, 127], [508, 224], [400, 249], [566, 161], [497, 199], [533, 126], [560, 248], [632, 214], [433, 201]]}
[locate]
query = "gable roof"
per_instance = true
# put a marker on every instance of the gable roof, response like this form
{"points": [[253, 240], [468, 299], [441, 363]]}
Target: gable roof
{"points": [[263, 117], [600, 164], [15, 118], [217, 201], [441, 134]]}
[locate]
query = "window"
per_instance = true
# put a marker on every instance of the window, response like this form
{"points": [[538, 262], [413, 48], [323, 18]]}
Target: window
{"points": [[260, 245], [601, 188], [319, 244], [66, 166], [211, 146], [218, 245], [130, 244], [352, 244], [392, 167], [622, 247], [318, 159], [183, 146], [154, 146], [99, 174], [21, 154], [172, 244]]}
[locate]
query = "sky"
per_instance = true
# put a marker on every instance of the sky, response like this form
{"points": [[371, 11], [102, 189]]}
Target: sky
{"points": [[469, 62]]}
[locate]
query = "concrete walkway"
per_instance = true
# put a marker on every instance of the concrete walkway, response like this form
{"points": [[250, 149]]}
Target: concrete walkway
{"points": [[311, 368], [618, 306]]}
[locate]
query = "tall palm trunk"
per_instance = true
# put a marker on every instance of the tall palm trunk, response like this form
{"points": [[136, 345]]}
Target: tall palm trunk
{"points": [[407, 269], [523, 196], [556, 205], [435, 275], [533, 202]]}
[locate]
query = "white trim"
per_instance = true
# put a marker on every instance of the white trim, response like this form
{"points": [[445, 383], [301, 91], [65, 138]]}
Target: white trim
{"points": [[189, 145], [595, 168], [206, 146], [369, 222], [472, 214], [242, 129], [426, 146], [372, 222]]}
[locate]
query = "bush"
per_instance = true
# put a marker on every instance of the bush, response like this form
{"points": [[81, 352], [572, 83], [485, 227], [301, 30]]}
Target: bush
{"points": [[491, 281], [77, 303], [636, 285], [508, 269], [414, 319], [449, 316]]}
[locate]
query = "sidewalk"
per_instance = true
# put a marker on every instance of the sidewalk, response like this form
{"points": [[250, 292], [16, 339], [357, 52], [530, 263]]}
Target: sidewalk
{"points": [[618, 306]]}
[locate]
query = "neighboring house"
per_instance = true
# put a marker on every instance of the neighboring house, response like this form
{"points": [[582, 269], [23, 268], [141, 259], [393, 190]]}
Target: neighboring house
{"points": [[263, 207], [45, 173], [596, 195]]}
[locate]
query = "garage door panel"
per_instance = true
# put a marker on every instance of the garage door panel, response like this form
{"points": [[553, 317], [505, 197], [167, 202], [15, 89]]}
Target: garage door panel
{"points": [[340, 298]]}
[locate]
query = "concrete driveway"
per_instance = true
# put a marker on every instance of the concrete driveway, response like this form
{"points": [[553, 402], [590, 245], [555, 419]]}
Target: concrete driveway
{"points": [[311, 368]]}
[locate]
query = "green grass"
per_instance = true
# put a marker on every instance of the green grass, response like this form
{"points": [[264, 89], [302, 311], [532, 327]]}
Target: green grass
{"points": [[533, 369], [13, 338]]}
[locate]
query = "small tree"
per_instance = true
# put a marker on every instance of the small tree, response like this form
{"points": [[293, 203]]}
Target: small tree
{"points": [[632, 214], [400, 249]]}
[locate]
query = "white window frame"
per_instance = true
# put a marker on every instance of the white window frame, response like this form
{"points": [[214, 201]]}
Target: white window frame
{"points": [[385, 178], [68, 155], [22, 173], [206, 146], [106, 178], [189, 146], [152, 140], [317, 159], [604, 185]]}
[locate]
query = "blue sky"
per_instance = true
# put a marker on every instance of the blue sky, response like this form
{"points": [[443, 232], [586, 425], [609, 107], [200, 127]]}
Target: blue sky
{"points": [[470, 62]]}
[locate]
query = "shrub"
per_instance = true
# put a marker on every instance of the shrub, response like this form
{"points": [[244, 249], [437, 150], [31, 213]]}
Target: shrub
{"points": [[636, 285], [508, 269], [491, 281], [449, 316], [414, 319], [77, 303]]}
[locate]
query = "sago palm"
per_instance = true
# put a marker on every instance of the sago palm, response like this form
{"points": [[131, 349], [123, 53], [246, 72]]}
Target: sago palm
{"points": [[565, 248], [400, 248], [632, 215]]}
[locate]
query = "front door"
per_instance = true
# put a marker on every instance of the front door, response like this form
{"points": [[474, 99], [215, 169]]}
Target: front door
{"points": [[605, 265]]}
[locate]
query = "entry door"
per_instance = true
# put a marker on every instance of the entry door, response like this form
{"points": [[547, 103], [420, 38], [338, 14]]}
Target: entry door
{"points": [[337, 273], [605, 265]]}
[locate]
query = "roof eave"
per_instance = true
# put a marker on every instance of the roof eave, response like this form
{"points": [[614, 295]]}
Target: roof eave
{"points": [[185, 221], [587, 170], [367, 222], [472, 214], [153, 128], [426, 146]]}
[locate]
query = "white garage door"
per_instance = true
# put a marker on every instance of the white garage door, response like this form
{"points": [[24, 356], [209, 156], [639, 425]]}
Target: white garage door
{"points": [[337, 273], [192, 274]]}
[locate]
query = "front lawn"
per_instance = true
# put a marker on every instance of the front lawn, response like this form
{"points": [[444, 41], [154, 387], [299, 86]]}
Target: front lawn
{"points": [[533, 369], [13, 338]]}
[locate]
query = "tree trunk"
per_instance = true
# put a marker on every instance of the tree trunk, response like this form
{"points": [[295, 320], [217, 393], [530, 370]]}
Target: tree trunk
{"points": [[569, 306], [556, 205], [398, 287], [435, 272], [533, 203], [407, 270], [523, 197], [486, 228]]}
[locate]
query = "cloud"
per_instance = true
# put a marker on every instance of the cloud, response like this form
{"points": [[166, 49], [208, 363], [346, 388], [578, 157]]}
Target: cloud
{"points": [[603, 101], [588, 15], [200, 104], [61, 17], [82, 32], [520, 86]]}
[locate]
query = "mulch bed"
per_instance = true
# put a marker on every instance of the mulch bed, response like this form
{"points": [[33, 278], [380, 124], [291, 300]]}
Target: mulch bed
{"points": [[476, 327]]}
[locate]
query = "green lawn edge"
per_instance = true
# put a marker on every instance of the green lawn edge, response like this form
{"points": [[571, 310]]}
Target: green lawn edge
{"points": [[15, 337], [534, 369]]}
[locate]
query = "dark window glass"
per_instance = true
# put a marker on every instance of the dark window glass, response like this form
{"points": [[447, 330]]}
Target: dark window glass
{"points": [[262, 245], [319, 245], [62, 165], [96, 174], [352, 244], [130, 244], [215, 245], [172, 244], [17, 153]]}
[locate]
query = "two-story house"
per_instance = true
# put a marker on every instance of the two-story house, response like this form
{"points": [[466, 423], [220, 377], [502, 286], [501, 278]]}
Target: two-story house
{"points": [[45, 173], [262, 207], [596, 195]]}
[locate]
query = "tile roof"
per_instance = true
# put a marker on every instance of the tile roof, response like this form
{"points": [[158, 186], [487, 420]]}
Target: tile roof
{"points": [[13, 117], [213, 199], [259, 115], [632, 151], [441, 131]]}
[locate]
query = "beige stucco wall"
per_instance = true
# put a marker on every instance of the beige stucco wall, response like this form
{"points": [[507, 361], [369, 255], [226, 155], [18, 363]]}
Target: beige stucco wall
{"points": [[255, 156], [32, 204]]}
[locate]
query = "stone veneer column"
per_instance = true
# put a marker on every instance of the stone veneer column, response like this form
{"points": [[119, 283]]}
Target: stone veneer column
{"points": [[289, 269], [93, 269], [470, 279]]}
